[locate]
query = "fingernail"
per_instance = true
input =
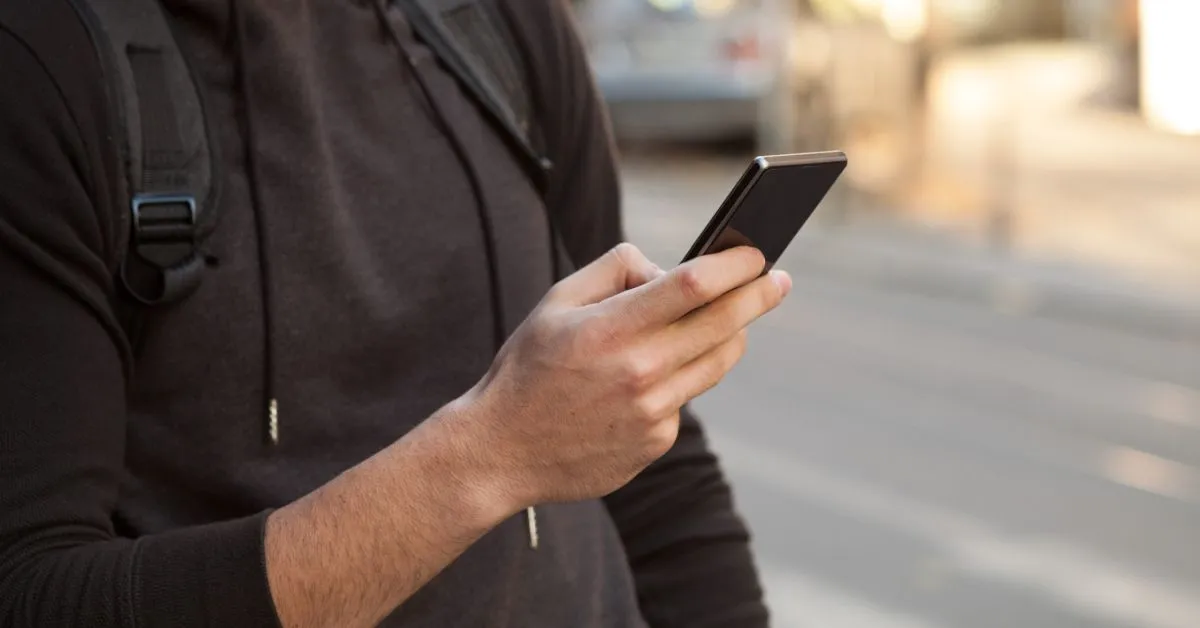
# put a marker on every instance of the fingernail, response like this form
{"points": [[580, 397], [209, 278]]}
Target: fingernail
{"points": [[783, 280]]}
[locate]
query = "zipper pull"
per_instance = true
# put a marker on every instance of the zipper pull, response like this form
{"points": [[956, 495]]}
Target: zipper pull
{"points": [[531, 518]]}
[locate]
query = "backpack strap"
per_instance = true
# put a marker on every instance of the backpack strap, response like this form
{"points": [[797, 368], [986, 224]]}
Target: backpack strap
{"points": [[169, 168], [477, 46], [170, 183]]}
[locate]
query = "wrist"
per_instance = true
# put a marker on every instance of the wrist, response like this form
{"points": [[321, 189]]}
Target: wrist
{"points": [[470, 461]]}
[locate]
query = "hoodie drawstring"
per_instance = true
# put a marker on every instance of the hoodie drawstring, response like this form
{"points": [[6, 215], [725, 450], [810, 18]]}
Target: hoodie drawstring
{"points": [[247, 120], [475, 179], [499, 328]]}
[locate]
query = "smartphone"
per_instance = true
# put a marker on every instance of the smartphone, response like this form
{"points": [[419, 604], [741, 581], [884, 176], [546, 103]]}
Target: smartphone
{"points": [[770, 203]]}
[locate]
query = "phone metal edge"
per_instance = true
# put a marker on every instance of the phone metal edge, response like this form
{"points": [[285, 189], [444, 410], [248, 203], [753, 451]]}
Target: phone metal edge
{"points": [[800, 159]]}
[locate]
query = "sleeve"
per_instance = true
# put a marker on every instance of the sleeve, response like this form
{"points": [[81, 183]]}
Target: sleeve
{"points": [[688, 548], [62, 400]]}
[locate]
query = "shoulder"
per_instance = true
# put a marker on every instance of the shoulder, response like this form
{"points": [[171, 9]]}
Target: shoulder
{"points": [[49, 37], [57, 121]]}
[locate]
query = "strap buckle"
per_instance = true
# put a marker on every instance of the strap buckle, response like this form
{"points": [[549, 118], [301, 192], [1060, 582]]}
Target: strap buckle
{"points": [[164, 228]]}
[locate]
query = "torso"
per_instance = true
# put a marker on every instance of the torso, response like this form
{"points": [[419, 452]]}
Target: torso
{"points": [[379, 307]]}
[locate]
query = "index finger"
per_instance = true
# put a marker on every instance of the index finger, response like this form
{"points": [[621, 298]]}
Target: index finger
{"points": [[689, 286]]}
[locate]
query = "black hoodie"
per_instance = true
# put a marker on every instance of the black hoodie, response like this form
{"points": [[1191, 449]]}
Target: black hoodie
{"points": [[356, 274]]}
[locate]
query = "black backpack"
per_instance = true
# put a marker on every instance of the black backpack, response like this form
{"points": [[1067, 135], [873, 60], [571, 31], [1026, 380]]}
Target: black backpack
{"points": [[170, 167]]}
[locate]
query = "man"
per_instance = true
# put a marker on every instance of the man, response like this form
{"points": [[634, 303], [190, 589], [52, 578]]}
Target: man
{"points": [[324, 433]]}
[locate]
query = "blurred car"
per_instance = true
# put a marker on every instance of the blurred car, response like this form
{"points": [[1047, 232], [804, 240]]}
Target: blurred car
{"points": [[695, 69]]}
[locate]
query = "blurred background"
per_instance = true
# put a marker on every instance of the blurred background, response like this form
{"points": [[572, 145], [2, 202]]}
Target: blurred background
{"points": [[981, 405]]}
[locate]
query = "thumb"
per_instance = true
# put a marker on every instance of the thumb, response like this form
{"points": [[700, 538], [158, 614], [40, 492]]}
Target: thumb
{"points": [[622, 268]]}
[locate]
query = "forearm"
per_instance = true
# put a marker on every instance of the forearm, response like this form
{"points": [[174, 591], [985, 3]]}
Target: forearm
{"points": [[355, 549], [345, 555]]}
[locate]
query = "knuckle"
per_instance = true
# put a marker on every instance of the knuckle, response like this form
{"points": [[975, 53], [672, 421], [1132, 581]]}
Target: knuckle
{"points": [[691, 284], [647, 408], [640, 371], [543, 328], [663, 437], [555, 293]]}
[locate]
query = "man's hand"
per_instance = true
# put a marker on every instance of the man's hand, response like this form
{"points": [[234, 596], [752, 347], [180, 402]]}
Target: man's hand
{"points": [[587, 391], [584, 396]]}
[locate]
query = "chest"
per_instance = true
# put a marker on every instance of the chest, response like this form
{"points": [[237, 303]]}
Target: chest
{"points": [[363, 253]]}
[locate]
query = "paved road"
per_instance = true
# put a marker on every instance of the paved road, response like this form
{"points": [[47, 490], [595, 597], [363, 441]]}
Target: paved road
{"points": [[907, 462]]}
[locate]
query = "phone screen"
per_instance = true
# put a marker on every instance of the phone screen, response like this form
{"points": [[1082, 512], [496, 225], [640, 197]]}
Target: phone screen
{"points": [[771, 203]]}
